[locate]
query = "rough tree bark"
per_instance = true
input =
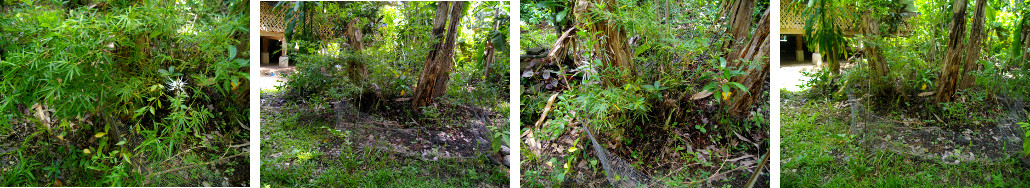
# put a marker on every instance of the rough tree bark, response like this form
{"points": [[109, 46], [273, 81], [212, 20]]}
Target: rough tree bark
{"points": [[976, 35], [739, 25], [358, 70], [612, 46], [871, 28], [948, 82], [755, 51], [432, 81]]}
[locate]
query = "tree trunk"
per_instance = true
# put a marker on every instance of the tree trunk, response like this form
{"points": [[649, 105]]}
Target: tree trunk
{"points": [[739, 24], [436, 72], [488, 58], [612, 47], [878, 65], [948, 82], [358, 70], [876, 62], [833, 62], [976, 35], [755, 51], [1020, 39], [1026, 40]]}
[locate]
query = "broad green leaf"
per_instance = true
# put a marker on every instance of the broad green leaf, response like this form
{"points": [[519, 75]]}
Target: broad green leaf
{"points": [[738, 85]]}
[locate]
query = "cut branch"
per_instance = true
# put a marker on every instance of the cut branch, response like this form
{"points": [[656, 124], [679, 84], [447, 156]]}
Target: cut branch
{"points": [[151, 176]]}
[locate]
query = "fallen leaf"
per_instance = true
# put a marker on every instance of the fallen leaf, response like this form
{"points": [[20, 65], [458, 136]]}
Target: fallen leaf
{"points": [[41, 114], [701, 95], [100, 134], [527, 74]]}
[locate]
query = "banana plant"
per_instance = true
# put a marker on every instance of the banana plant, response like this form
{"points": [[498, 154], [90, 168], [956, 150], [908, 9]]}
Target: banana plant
{"points": [[822, 30], [298, 14]]}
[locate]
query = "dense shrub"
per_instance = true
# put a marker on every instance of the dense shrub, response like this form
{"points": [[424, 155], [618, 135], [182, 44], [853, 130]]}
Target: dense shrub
{"points": [[167, 72]]}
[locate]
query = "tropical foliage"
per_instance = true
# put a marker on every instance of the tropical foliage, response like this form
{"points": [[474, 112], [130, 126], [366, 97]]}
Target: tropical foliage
{"points": [[911, 67], [124, 93], [374, 63], [643, 77]]}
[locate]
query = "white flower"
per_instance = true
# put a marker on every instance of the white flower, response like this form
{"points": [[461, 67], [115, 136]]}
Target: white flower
{"points": [[176, 85]]}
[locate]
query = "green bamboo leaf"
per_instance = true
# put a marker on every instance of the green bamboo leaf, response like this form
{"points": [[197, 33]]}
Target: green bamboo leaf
{"points": [[232, 52]]}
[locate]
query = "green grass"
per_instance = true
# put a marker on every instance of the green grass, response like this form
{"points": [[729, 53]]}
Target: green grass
{"points": [[294, 133], [813, 130], [537, 37]]}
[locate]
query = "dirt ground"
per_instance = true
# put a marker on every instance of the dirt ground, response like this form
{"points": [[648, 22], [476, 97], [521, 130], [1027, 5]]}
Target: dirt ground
{"points": [[461, 138], [933, 141], [272, 76], [677, 155]]}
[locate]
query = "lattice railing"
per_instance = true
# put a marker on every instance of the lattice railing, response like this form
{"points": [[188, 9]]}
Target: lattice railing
{"points": [[790, 16], [273, 20], [792, 20]]}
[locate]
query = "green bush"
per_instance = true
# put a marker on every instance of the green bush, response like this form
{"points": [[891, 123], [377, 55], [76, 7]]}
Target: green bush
{"points": [[170, 79], [1026, 137]]}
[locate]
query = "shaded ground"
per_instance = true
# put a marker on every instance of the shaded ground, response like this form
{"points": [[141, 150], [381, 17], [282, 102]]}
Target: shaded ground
{"points": [[459, 142], [820, 150], [668, 163], [724, 154], [339, 144], [55, 159], [946, 145]]}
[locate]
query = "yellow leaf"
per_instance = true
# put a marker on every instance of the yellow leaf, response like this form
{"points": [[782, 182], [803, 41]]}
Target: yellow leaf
{"points": [[573, 149], [924, 86], [566, 165], [85, 151], [402, 92], [100, 134]]}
